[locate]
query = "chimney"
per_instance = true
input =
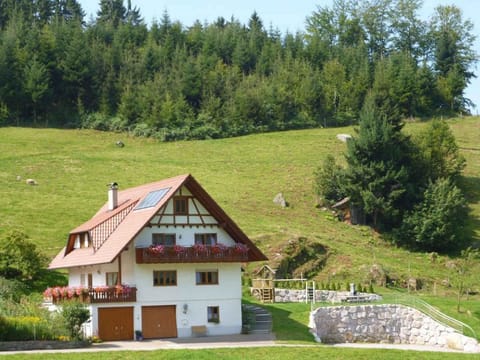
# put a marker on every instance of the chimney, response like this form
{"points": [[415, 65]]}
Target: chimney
{"points": [[112, 196]]}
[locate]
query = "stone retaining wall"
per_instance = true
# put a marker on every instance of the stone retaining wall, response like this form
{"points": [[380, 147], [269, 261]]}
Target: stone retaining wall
{"points": [[395, 324], [41, 345], [287, 295]]}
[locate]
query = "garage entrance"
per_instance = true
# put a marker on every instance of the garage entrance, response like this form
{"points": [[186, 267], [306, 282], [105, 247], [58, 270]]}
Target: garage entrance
{"points": [[159, 321], [115, 323]]}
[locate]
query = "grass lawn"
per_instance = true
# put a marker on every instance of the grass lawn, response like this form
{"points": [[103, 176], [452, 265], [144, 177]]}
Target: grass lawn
{"points": [[265, 353]]}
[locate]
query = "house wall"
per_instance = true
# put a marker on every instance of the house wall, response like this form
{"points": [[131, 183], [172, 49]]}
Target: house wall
{"points": [[226, 295], [185, 236]]}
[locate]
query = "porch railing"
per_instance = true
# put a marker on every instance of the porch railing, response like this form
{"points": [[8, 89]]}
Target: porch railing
{"points": [[96, 295], [191, 254]]}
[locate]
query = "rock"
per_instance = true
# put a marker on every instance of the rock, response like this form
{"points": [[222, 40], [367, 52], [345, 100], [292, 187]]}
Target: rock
{"points": [[454, 341], [471, 347], [280, 200], [412, 284], [344, 137]]}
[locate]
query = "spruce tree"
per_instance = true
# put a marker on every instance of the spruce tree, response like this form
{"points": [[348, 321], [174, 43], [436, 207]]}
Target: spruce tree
{"points": [[376, 178]]}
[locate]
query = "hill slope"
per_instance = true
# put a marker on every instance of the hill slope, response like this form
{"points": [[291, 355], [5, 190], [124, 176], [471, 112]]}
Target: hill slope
{"points": [[72, 168]]}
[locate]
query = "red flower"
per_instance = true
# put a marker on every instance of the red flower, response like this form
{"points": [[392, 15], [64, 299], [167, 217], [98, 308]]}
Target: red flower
{"points": [[240, 249], [218, 249], [156, 249], [200, 248], [178, 249]]}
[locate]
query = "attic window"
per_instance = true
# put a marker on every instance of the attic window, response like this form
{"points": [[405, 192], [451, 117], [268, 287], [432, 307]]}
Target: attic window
{"points": [[152, 199], [180, 205]]}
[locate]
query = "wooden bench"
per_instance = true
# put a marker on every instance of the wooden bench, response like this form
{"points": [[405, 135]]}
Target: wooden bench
{"points": [[199, 330]]}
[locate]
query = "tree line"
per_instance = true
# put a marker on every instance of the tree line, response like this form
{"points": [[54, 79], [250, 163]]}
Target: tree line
{"points": [[219, 79]]}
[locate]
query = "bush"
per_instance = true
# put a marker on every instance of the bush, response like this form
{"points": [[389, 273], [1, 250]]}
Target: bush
{"points": [[436, 224], [11, 290], [26, 328], [96, 121], [74, 314], [143, 130], [19, 258], [328, 181]]}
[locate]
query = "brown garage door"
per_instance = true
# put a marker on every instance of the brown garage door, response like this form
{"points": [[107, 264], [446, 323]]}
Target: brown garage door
{"points": [[159, 322], [115, 323]]}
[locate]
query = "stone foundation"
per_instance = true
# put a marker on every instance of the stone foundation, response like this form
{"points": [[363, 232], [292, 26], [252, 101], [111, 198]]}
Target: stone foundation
{"points": [[395, 324]]}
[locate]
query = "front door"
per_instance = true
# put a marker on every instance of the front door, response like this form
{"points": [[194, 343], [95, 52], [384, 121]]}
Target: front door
{"points": [[159, 321]]}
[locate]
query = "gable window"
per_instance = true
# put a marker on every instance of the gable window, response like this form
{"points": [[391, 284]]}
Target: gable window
{"points": [[82, 241], [163, 239], [85, 240], [206, 239], [165, 278], [213, 314], [111, 278], [206, 277], [180, 205]]}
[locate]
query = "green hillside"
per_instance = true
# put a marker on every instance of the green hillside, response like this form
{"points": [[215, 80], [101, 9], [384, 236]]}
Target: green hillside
{"points": [[72, 168]]}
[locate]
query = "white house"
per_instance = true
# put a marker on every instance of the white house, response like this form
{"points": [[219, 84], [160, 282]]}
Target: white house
{"points": [[161, 258]]}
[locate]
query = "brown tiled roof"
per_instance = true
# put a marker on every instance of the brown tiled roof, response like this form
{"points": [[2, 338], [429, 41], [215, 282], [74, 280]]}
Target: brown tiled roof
{"points": [[111, 231]]}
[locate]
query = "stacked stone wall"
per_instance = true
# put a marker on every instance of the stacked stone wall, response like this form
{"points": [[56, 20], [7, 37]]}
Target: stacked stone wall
{"points": [[288, 295], [395, 324]]}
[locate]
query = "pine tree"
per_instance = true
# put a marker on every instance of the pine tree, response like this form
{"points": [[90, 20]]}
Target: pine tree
{"points": [[376, 176]]}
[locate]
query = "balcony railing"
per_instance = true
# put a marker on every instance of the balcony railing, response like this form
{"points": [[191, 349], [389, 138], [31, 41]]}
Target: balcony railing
{"points": [[192, 254], [96, 295]]}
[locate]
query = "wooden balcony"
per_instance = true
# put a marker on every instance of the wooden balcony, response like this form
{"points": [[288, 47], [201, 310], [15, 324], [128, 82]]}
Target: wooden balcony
{"points": [[97, 295], [176, 254]]}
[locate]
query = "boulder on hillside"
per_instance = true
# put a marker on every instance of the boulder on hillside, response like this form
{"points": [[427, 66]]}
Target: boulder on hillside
{"points": [[344, 137], [280, 200]]}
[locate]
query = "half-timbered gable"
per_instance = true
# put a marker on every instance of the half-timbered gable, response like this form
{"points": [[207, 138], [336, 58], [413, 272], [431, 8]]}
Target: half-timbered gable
{"points": [[183, 209]]}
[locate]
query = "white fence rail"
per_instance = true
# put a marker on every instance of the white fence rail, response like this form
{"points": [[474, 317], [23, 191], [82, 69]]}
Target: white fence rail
{"points": [[435, 314]]}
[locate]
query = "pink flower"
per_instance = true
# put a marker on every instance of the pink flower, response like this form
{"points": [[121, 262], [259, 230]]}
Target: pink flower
{"points": [[240, 249], [178, 249], [219, 249], [79, 291], [200, 248], [156, 249]]}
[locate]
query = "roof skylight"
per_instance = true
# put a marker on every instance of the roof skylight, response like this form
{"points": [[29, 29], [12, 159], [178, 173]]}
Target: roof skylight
{"points": [[152, 199]]}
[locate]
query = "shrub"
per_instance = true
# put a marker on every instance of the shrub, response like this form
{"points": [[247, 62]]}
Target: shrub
{"points": [[436, 224], [328, 180], [74, 314], [26, 328], [11, 289]]}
